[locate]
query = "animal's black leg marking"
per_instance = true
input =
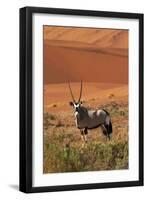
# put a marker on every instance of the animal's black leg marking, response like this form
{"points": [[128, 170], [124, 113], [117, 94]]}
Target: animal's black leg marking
{"points": [[82, 134], [85, 134], [85, 131]]}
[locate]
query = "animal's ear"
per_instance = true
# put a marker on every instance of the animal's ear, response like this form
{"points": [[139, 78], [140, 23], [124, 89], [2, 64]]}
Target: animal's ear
{"points": [[71, 103]]}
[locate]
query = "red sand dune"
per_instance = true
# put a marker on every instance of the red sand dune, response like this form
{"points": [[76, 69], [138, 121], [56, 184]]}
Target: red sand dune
{"points": [[92, 55], [102, 38]]}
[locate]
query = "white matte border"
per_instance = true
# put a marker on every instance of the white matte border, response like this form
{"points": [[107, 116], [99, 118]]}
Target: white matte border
{"points": [[132, 174]]}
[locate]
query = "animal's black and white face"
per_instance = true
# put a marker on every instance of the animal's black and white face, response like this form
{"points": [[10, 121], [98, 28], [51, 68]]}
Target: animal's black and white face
{"points": [[76, 105]]}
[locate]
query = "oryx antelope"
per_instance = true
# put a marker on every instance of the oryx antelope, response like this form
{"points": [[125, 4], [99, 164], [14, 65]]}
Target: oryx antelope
{"points": [[89, 119]]}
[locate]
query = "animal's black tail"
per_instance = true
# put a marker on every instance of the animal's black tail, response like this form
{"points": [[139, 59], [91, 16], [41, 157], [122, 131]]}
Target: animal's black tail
{"points": [[108, 125]]}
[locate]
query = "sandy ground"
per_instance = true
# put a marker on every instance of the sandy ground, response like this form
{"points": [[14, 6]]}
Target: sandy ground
{"points": [[57, 96]]}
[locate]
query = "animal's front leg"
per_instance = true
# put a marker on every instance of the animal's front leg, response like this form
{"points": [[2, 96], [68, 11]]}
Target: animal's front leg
{"points": [[83, 135]]}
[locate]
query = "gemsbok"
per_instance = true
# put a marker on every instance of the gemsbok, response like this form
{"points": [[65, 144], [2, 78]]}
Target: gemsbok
{"points": [[87, 119]]}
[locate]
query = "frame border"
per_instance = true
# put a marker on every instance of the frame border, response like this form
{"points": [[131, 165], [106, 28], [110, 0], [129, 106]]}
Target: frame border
{"points": [[25, 99]]}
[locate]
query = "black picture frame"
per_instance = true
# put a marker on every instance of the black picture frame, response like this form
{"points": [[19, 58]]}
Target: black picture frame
{"points": [[26, 97]]}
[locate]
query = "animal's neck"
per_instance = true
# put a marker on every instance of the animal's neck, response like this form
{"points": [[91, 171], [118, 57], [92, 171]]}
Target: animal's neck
{"points": [[81, 114]]}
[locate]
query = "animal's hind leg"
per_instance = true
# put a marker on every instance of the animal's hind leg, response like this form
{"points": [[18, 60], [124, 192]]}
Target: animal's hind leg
{"points": [[107, 131], [85, 134], [104, 130]]}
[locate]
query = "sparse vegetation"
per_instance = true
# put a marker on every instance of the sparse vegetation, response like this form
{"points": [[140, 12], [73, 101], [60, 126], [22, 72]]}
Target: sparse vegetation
{"points": [[47, 119], [116, 109], [59, 123], [93, 156], [64, 150]]}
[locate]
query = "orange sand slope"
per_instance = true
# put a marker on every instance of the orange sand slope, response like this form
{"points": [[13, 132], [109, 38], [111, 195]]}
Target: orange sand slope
{"points": [[57, 96], [94, 55]]}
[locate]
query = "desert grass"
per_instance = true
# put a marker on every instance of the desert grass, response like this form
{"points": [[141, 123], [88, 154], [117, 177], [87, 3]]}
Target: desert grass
{"points": [[64, 150]]}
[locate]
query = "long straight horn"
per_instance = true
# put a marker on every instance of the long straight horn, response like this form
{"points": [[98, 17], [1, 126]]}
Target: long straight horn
{"points": [[80, 91], [71, 91]]}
